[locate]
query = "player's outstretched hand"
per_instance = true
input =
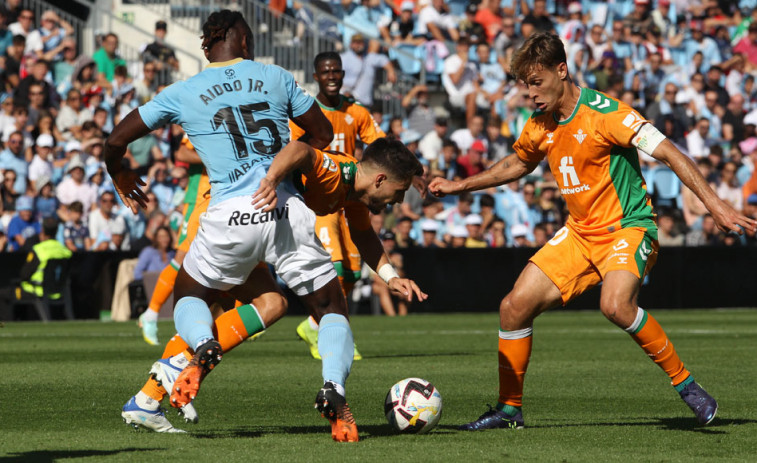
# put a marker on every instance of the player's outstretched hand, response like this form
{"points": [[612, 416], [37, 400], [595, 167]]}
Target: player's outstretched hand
{"points": [[265, 197], [730, 220], [441, 187], [406, 288], [128, 186]]}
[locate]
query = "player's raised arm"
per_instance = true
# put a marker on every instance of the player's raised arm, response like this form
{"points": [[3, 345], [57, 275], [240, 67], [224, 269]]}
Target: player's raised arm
{"points": [[726, 217], [126, 182], [508, 169], [295, 155], [318, 129]]}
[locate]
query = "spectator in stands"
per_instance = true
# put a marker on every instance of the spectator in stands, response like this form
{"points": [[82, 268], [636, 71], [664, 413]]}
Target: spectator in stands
{"points": [[8, 194], [507, 40], [84, 76], [667, 234], [75, 187], [402, 233], [161, 185], [24, 23], [733, 126], [495, 234], [748, 46], [429, 229], [457, 236], [125, 102], [430, 145], [548, 207], [472, 162], [538, 18], [667, 105], [455, 216], [106, 60], [470, 28], [72, 116], [459, 76], [435, 22], [693, 208], [10, 10], [52, 31], [20, 117], [6, 36], [489, 15], [45, 202], [446, 164], [37, 76], [161, 55], [705, 45], [729, 190], [12, 158], [541, 235], [697, 141], [36, 100], [46, 126], [14, 55], [473, 225], [41, 166], [155, 257], [75, 231], [706, 235], [486, 204], [360, 63], [465, 137], [491, 82], [143, 152], [64, 67], [401, 30], [519, 233], [420, 114], [147, 86], [23, 226], [104, 224], [497, 143], [640, 18]]}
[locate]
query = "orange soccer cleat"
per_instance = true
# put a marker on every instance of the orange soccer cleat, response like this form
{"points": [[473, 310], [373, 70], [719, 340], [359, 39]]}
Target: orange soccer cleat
{"points": [[334, 407], [187, 384]]}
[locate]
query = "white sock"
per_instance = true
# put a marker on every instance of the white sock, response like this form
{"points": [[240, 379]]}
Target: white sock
{"points": [[150, 316], [145, 401], [313, 324]]}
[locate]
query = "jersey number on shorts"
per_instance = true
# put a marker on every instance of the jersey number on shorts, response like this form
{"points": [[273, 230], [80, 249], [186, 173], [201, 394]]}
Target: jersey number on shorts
{"points": [[226, 118]]}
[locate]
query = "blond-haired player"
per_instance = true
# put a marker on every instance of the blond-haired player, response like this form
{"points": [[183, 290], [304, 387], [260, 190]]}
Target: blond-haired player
{"points": [[590, 142]]}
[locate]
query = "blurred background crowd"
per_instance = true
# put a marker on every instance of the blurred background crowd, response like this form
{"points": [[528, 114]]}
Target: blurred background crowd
{"points": [[688, 66]]}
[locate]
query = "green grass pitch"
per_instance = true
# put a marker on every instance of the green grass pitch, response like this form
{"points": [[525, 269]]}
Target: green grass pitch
{"points": [[591, 393]]}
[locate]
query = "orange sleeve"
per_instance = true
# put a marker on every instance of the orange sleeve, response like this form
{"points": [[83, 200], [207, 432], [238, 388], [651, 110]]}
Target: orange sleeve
{"points": [[295, 132], [619, 127], [524, 146], [357, 215], [368, 128]]}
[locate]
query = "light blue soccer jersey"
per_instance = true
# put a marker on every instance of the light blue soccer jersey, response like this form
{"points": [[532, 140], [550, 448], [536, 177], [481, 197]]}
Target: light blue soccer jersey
{"points": [[236, 115]]}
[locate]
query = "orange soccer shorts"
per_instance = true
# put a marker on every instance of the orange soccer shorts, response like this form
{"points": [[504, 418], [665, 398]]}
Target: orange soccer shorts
{"points": [[335, 237], [191, 223], [576, 262]]}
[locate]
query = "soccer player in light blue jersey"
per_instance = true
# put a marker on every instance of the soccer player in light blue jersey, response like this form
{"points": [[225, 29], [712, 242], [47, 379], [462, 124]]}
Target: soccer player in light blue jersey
{"points": [[236, 114]]}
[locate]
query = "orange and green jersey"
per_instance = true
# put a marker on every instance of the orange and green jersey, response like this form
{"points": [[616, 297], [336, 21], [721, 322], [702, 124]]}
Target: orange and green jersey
{"points": [[326, 186], [594, 163], [199, 183], [349, 121]]}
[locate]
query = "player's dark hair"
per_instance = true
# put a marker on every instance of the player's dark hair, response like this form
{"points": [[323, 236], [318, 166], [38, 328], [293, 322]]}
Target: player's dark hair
{"points": [[218, 23], [325, 56], [394, 157], [544, 49]]}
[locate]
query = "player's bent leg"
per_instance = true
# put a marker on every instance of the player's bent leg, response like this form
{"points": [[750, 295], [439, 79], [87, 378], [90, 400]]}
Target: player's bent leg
{"points": [[532, 294], [618, 304]]}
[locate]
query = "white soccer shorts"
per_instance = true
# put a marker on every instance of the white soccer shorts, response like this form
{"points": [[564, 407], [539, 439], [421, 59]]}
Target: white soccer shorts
{"points": [[234, 237]]}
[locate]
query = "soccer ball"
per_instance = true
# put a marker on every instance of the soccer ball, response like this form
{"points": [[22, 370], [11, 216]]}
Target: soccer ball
{"points": [[413, 405]]}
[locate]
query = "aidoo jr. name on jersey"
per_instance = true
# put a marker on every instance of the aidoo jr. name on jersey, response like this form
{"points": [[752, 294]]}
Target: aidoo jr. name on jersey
{"points": [[211, 93]]}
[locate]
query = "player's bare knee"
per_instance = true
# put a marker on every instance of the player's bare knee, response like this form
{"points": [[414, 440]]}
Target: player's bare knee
{"points": [[514, 313], [618, 310]]}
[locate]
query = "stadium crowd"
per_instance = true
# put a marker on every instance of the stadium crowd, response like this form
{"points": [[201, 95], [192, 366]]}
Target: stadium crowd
{"points": [[687, 66]]}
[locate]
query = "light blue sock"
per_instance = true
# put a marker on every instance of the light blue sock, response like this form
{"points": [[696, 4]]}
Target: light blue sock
{"points": [[193, 321], [336, 346]]}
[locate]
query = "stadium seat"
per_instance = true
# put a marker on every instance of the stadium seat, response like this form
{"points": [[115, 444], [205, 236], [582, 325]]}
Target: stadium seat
{"points": [[406, 56], [664, 186]]}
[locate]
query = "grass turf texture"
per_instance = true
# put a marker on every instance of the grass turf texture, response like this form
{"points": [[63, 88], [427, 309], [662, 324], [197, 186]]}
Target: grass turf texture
{"points": [[591, 393]]}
